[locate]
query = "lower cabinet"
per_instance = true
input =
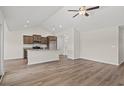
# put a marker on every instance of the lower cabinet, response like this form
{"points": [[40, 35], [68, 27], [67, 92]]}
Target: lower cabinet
{"points": [[25, 53]]}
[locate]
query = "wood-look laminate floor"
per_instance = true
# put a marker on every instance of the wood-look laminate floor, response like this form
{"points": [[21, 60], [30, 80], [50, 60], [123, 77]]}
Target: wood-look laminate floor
{"points": [[64, 72]]}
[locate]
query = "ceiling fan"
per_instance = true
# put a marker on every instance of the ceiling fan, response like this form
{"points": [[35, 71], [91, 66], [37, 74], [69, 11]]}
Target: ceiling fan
{"points": [[83, 10]]}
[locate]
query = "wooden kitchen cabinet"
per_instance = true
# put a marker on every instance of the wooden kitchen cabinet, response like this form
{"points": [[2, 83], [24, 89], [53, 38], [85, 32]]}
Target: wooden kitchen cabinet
{"points": [[25, 53], [27, 39], [52, 42], [37, 38], [43, 40], [52, 38]]}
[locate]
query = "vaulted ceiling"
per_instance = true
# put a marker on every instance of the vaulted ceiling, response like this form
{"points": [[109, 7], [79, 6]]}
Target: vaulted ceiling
{"points": [[17, 17], [57, 18]]}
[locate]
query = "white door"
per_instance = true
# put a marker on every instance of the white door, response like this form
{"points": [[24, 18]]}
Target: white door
{"points": [[1, 50]]}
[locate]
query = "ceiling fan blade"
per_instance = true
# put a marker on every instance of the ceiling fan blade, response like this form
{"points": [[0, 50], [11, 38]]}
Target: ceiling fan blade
{"points": [[73, 10], [86, 14], [92, 8], [76, 15]]}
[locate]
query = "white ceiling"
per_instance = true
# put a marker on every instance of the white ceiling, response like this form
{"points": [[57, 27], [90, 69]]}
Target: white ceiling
{"points": [[105, 17], [16, 16], [51, 17], [64, 18]]}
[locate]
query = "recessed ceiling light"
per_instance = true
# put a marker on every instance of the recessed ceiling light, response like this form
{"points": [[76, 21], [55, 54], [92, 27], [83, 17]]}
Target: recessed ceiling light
{"points": [[25, 26], [53, 29], [60, 26], [27, 21]]}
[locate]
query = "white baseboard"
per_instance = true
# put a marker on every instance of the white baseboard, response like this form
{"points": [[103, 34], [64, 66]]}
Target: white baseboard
{"points": [[99, 61], [9, 60]]}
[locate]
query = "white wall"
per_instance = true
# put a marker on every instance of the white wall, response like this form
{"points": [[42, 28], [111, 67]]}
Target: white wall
{"points": [[13, 41], [76, 44], [100, 45], [1, 44], [121, 44], [66, 38], [70, 43], [1, 51]]}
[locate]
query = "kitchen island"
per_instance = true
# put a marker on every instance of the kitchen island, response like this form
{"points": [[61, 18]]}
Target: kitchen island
{"points": [[36, 56]]}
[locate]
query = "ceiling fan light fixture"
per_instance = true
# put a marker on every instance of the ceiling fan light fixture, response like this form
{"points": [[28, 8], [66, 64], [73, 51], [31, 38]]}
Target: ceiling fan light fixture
{"points": [[82, 12]]}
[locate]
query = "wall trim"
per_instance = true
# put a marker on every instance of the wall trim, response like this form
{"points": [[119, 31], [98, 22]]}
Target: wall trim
{"points": [[98, 61], [94, 61], [10, 60]]}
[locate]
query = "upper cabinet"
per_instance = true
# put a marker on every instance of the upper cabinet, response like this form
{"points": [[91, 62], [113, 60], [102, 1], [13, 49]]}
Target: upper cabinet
{"points": [[43, 40], [52, 42], [27, 39], [52, 38], [37, 38]]}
